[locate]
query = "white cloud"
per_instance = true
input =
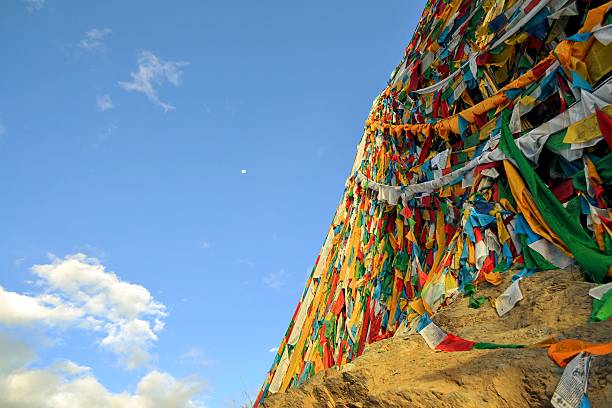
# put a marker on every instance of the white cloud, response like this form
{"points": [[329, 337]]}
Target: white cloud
{"points": [[131, 339], [94, 39], [273, 350], [78, 292], [18, 309], [85, 281], [13, 355], [153, 71], [162, 390], [66, 384], [34, 5], [67, 366], [104, 102], [274, 280]]}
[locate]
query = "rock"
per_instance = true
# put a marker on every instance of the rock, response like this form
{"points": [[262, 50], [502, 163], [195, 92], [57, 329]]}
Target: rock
{"points": [[403, 372]]}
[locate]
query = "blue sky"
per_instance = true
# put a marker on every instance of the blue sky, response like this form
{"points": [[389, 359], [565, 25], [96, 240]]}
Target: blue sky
{"points": [[125, 127]]}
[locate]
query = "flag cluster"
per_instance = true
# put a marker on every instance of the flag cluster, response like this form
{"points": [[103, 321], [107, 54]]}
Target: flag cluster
{"points": [[488, 152]]}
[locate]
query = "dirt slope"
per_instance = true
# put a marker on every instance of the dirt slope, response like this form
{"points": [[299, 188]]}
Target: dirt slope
{"points": [[404, 372]]}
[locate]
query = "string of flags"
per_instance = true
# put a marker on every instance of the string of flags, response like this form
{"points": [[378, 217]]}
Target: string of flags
{"points": [[488, 152]]}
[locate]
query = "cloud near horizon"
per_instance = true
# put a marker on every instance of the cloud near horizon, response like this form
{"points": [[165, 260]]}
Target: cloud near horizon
{"points": [[65, 384], [78, 293]]}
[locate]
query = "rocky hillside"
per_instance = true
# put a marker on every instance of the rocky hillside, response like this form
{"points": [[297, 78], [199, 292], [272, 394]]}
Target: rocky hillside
{"points": [[404, 372]]}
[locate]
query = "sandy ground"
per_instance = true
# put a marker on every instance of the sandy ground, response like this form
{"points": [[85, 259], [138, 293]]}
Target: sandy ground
{"points": [[404, 372]]}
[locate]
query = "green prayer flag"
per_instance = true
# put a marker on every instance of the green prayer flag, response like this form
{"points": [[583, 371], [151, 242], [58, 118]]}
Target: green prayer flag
{"points": [[582, 246], [602, 309], [533, 259], [491, 346]]}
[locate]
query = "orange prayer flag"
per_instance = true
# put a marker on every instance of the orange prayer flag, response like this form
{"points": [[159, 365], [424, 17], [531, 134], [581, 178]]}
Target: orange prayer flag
{"points": [[563, 351]]}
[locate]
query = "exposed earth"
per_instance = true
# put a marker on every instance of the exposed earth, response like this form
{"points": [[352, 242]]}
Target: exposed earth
{"points": [[404, 372]]}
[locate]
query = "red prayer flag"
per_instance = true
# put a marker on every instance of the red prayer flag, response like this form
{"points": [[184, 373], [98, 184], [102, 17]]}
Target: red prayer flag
{"points": [[605, 125], [454, 343]]}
